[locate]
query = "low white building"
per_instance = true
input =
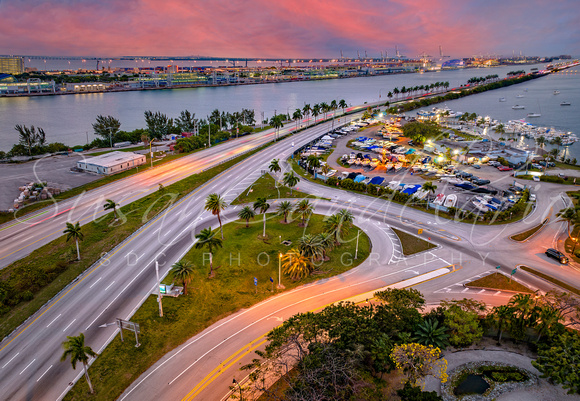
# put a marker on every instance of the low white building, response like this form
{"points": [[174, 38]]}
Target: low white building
{"points": [[111, 163]]}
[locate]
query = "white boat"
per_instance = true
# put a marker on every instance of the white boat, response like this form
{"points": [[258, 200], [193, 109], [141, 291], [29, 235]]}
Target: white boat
{"points": [[530, 115], [394, 185], [556, 92], [374, 163], [358, 162], [439, 199], [398, 166], [565, 104], [351, 161], [421, 194], [480, 206], [389, 166], [366, 162], [518, 107], [450, 201], [520, 96], [502, 99]]}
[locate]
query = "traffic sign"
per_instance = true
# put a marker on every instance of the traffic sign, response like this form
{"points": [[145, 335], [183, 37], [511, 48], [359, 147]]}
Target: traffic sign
{"points": [[255, 281], [420, 231], [514, 271], [498, 267]]}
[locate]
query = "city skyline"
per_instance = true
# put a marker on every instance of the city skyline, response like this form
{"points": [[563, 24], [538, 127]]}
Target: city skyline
{"points": [[289, 29]]}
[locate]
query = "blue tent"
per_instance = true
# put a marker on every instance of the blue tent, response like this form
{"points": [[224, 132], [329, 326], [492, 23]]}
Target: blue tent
{"points": [[359, 178], [377, 180]]}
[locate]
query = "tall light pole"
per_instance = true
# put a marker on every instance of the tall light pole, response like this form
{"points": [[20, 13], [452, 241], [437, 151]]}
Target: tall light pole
{"points": [[280, 286], [159, 297], [356, 249], [208, 132], [234, 382], [151, 152]]}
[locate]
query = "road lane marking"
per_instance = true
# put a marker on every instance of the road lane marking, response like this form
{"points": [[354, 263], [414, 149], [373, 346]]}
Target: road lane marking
{"points": [[45, 372], [27, 366], [99, 279], [11, 359], [53, 320], [109, 286], [70, 324]]}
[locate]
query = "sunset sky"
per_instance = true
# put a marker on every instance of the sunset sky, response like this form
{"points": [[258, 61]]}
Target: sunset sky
{"points": [[288, 28]]}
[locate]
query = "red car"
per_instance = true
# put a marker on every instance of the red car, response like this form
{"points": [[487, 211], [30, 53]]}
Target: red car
{"points": [[504, 168]]}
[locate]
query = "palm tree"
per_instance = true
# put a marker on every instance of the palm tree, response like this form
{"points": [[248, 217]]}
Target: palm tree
{"points": [[79, 352], [315, 111], [571, 216], [74, 232], [429, 187], [284, 208], [525, 312], [306, 111], [338, 224], [183, 271], [296, 265], [324, 108], [304, 209], [325, 169], [310, 247], [548, 317], [326, 241], [262, 205], [246, 213], [396, 92], [110, 204], [276, 122], [297, 116], [215, 204], [342, 104], [313, 161], [275, 166], [290, 180], [429, 332], [206, 238], [501, 316]]}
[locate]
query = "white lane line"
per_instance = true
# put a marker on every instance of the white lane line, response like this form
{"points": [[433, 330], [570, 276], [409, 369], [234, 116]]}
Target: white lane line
{"points": [[95, 282], [70, 324], [53, 320], [467, 289], [11, 359], [109, 286], [497, 293], [45, 372], [481, 291], [27, 366]]}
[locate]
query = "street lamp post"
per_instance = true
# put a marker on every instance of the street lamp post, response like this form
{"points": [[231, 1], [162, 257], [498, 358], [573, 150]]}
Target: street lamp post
{"points": [[356, 249], [280, 286], [234, 382]]}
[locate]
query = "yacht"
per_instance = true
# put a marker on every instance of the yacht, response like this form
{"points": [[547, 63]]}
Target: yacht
{"points": [[439, 199], [502, 99], [530, 115], [556, 92], [518, 107], [565, 104]]}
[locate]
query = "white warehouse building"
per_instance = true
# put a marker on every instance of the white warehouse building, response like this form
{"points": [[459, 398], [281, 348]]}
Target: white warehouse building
{"points": [[111, 163]]}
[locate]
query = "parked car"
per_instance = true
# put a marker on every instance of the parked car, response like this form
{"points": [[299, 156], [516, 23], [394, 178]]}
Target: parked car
{"points": [[536, 178], [477, 166], [533, 197], [555, 254], [504, 168]]}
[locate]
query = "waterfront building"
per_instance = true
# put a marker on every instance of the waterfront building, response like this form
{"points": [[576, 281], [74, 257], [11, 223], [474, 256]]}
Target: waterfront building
{"points": [[9, 86], [87, 87], [111, 163], [11, 65]]}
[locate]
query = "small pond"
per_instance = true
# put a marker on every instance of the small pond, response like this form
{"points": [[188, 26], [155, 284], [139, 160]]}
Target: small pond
{"points": [[472, 384]]}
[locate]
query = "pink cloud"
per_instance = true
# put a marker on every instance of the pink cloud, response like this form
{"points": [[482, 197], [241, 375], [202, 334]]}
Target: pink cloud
{"points": [[298, 28]]}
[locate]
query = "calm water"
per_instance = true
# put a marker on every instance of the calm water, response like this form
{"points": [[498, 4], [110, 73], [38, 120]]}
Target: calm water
{"points": [[68, 118], [539, 98]]}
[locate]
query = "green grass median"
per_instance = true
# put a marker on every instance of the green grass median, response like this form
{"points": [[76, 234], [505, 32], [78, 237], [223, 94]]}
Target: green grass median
{"points": [[32, 281], [412, 244], [265, 187], [244, 256]]}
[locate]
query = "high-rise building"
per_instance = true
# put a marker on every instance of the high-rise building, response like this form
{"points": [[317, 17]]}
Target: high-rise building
{"points": [[11, 65]]}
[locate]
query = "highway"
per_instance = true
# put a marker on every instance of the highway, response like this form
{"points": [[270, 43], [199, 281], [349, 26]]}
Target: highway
{"points": [[30, 366], [203, 367], [118, 284]]}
